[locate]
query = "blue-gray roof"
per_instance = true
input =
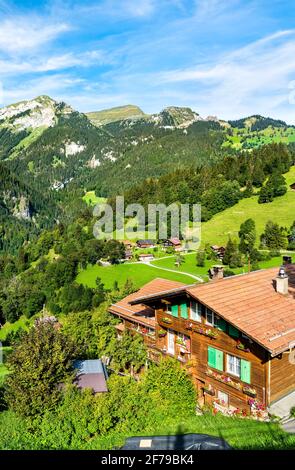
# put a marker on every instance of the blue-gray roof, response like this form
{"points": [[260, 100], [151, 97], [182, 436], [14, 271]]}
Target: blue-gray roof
{"points": [[90, 366]]}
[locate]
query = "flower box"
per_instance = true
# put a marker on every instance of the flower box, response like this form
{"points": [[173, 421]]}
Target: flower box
{"points": [[206, 331], [251, 392], [166, 320], [224, 379]]}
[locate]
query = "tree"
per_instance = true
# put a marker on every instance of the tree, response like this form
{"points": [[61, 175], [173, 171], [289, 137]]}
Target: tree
{"points": [[247, 234], [274, 236], [129, 354], [232, 256], [38, 364], [266, 194], [201, 257]]}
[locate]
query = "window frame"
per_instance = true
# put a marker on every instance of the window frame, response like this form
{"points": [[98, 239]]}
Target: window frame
{"points": [[228, 356], [197, 311]]}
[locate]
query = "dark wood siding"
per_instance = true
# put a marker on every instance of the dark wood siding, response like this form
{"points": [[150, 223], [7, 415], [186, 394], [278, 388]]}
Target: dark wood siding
{"points": [[282, 376]]}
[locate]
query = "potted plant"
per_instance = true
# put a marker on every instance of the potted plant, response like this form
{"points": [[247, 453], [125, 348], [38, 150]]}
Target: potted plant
{"points": [[249, 391], [162, 333], [181, 342], [242, 347], [212, 333], [166, 320]]}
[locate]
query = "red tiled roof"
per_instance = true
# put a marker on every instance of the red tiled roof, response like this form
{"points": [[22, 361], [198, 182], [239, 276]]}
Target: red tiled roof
{"points": [[141, 313], [249, 302]]}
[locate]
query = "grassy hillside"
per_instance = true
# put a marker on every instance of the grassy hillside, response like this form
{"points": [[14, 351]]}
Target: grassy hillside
{"points": [[247, 139], [189, 265], [115, 114], [227, 223], [140, 274]]}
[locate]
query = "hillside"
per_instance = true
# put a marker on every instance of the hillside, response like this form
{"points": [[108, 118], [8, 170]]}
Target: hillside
{"points": [[118, 113], [227, 223]]}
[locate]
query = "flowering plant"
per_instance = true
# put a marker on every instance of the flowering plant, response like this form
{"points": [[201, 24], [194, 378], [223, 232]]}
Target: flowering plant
{"points": [[242, 347], [166, 320], [162, 333]]}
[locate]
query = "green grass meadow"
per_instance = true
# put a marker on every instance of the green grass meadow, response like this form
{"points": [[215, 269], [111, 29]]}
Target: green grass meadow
{"points": [[140, 274], [227, 223]]}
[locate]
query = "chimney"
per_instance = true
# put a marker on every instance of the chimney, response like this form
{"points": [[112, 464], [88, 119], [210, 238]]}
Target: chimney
{"points": [[282, 282], [287, 260], [216, 272]]}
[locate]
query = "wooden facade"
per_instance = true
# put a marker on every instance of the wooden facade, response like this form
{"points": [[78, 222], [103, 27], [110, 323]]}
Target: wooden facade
{"points": [[227, 366]]}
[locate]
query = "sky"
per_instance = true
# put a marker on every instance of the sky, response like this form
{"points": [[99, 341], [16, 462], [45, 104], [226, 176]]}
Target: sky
{"points": [[227, 58]]}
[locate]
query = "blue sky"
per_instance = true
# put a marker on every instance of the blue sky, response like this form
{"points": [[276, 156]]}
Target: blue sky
{"points": [[229, 58]]}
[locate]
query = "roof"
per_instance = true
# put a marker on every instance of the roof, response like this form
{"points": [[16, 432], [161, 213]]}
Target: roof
{"points": [[250, 303], [91, 374], [175, 241], [141, 313], [146, 255]]}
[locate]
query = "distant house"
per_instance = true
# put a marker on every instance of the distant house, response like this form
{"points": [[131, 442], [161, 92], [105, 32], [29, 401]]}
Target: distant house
{"points": [[91, 374], [218, 250], [145, 243], [146, 257], [128, 244], [128, 254], [174, 243]]}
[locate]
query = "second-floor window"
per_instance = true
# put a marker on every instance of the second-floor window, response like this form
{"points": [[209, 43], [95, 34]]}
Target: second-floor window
{"points": [[195, 311], [211, 318], [239, 367], [233, 365]]}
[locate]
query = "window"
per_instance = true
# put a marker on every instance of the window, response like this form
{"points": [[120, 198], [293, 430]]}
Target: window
{"points": [[223, 397], [184, 310], [215, 358], [232, 331], [209, 317], [195, 311], [233, 365], [168, 308], [239, 367]]}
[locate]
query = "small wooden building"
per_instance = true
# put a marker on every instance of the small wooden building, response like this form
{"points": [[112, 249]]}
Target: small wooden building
{"points": [[174, 243], [145, 243]]}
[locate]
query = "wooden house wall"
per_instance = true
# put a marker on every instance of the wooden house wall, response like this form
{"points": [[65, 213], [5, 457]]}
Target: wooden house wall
{"points": [[282, 376]]}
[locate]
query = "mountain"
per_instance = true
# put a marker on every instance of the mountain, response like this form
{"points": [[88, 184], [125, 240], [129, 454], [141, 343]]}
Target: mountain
{"points": [[119, 113], [51, 153], [258, 123]]}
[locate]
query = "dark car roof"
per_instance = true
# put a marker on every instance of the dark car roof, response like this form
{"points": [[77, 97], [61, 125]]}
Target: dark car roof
{"points": [[176, 442]]}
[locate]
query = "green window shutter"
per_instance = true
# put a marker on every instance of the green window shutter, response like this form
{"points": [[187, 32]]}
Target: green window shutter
{"points": [[221, 324], [219, 360], [174, 310], [184, 311], [211, 357], [233, 331], [246, 371]]}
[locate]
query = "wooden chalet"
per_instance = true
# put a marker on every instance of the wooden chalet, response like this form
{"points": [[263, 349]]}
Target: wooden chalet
{"points": [[174, 243], [145, 243], [235, 336], [218, 250]]}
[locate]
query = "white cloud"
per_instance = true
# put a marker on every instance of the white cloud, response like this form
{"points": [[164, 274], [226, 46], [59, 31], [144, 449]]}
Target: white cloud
{"points": [[251, 79], [21, 35]]}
